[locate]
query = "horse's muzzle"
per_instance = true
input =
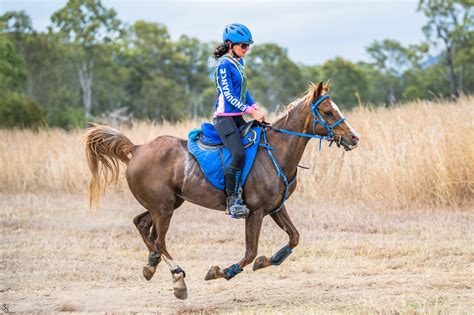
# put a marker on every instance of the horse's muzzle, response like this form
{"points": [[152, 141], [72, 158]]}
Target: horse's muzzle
{"points": [[347, 143]]}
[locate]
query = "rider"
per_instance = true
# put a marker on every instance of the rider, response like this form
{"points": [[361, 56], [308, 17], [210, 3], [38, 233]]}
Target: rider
{"points": [[233, 99]]}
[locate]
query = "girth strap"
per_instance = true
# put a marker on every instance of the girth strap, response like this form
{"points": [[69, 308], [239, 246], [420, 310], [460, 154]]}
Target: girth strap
{"points": [[280, 172]]}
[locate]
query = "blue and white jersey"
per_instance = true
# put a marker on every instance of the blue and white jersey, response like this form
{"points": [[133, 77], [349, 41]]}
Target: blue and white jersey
{"points": [[233, 98]]}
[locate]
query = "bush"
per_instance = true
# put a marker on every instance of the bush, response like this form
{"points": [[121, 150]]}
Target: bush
{"points": [[20, 111], [69, 118]]}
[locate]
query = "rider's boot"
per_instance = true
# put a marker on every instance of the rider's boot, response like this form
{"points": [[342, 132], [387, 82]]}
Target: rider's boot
{"points": [[235, 204]]}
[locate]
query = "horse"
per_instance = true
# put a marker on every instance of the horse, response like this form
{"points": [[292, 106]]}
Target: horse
{"points": [[162, 174]]}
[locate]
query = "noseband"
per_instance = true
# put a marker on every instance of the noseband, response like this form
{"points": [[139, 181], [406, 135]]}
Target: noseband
{"points": [[317, 119]]}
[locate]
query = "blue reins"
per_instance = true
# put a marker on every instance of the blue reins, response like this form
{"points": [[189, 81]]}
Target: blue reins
{"points": [[317, 119]]}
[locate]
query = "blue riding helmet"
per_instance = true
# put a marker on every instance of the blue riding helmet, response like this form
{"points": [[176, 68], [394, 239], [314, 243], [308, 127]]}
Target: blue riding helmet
{"points": [[237, 33]]}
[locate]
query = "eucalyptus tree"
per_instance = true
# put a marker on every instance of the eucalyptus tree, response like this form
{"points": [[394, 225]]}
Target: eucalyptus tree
{"points": [[87, 26], [451, 22], [192, 64], [152, 85], [274, 79], [349, 82], [392, 59], [12, 67]]}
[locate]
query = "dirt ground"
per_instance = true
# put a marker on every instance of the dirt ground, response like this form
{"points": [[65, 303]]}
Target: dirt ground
{"points": [[56, 256]]}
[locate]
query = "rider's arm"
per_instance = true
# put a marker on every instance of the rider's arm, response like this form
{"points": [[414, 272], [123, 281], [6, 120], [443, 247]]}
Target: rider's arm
{"points": [[224, 82], [249, 100]]}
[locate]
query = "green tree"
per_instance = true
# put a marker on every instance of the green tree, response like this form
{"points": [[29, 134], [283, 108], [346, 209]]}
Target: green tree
{"points": [[17, 23], [274, 79], [392, 59], [312, 74], [17, 26], [451, 22], [378, 89], [191, 63], [86, 25], [425, 83], [153, 88], [348, 81], [12, 66], [20, 111]]}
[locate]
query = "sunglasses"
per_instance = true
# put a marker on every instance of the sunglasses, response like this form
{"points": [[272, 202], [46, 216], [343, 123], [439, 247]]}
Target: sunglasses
{"points": [[243, 46]]}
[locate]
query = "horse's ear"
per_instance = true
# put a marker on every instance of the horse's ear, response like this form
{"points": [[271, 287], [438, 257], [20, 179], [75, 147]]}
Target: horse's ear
{"points": [[326, 86], [318, 90]]}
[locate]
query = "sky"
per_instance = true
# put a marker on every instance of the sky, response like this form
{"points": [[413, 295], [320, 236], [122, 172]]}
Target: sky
{"points": [[311, 31]]}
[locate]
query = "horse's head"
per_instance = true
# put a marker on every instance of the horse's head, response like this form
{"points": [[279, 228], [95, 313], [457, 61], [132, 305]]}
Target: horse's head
{"points": [[328, 119]]}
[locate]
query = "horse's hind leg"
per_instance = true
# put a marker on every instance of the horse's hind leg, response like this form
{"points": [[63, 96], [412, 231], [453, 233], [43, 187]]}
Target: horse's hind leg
{"points": [[253, 224], [144, 224], [161, 218], [284, 222]]}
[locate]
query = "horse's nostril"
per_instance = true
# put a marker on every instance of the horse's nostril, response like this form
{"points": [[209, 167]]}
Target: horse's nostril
{"points": [[355, 138]]}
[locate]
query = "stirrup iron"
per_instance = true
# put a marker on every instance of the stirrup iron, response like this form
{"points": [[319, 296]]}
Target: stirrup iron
{"points": [[236, 207]]}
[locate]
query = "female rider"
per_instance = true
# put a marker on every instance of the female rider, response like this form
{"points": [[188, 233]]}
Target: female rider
{"points": [[233, 99]]}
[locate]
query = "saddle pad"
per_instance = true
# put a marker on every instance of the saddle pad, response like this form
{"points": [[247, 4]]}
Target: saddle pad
{"points": [[210, 159], [209, 135]]}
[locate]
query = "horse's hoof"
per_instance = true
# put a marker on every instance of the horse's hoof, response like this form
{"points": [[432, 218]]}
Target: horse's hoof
{"points": [[261, 262], [179, 286], [181, 293], [148, 272], [214, 273]]}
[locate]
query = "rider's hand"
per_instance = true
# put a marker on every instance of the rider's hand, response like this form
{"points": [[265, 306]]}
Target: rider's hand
{"points": [[258, 115]]}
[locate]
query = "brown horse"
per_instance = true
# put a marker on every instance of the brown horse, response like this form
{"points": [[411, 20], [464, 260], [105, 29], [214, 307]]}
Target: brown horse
{"points": [[161, 174]]}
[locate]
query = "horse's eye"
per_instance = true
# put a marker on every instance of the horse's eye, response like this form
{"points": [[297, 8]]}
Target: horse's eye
{"points": [[328, 113]]}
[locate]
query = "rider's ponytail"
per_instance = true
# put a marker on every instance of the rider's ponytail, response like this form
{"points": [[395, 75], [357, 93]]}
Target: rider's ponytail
{"points": [[220, 50]]}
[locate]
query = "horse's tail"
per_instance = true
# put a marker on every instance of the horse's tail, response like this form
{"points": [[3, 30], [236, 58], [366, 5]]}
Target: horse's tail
{"points": [[105, 147]]}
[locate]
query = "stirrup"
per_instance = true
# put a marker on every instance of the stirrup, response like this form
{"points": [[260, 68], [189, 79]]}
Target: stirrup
{"points": [[236, 207]]}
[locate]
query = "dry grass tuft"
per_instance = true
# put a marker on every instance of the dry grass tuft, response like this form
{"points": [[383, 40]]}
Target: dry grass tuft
{"points": [[70, 307]]}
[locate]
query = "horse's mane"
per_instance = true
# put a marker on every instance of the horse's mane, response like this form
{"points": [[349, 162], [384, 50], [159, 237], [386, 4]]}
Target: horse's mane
{"points": [[305, 98]]}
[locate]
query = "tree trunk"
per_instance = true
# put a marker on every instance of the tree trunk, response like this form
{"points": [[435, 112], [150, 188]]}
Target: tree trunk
{"points": [[391, 96], [443, 34], [195, 105], [451, 73], [461, 80], [85, 79]]}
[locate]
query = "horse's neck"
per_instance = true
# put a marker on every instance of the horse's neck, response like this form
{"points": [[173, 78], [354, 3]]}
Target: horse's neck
{"points": [[289, 149]]}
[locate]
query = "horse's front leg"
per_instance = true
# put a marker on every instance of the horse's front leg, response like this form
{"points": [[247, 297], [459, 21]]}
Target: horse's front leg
{"points": [[284, 222], [253, 224]]}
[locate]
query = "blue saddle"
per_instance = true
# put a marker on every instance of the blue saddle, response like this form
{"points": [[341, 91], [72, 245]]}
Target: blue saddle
{"points": [[213, 158]]}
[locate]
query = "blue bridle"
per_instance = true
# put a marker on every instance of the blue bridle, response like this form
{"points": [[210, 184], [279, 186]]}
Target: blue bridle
{"points": [[317, 119]]}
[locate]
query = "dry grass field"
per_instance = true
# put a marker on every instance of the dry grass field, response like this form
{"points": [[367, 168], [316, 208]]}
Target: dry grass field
{"points": [[386, 228]]}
